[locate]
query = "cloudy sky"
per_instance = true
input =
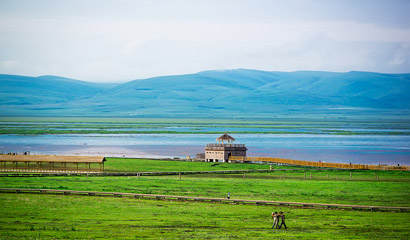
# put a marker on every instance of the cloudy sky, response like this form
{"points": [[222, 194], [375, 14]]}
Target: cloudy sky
{"points": [[121, 40]]}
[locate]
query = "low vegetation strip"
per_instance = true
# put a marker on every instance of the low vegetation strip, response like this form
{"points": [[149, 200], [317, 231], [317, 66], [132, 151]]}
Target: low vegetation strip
{"points": [[205, 199], [319, 164], [126, 174], [20, 131]]}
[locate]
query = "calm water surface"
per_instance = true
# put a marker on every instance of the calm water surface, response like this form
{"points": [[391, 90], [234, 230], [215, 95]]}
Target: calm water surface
{"points": [[366, 149]]}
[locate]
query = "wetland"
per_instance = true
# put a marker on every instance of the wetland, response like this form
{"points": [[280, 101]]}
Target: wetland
{"points": [[364, 142]]}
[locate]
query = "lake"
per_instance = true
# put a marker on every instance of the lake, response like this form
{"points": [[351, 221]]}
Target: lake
{"points": [[363, 149]]}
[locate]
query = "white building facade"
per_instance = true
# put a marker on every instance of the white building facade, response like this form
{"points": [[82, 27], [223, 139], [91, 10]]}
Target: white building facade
{"points": [[222, 151]]}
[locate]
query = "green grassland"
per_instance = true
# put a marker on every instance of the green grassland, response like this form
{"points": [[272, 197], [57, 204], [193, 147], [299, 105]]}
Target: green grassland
{"points": [[391, 189], [26, 216], [316, 191], [29, 216], [149, 165]]}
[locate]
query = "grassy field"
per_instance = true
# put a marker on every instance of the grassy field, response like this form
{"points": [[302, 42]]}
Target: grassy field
{"points": [[28, 216], [316, 191], [148, 165], [392, 188]]}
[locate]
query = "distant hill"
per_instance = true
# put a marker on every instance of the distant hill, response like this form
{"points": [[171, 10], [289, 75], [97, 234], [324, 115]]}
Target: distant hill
{"points": [[240, 93], [44, 95]]}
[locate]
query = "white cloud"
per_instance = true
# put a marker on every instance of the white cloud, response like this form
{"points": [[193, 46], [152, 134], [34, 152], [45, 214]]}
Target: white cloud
{"points": [[401, 55], [139, 39], [8, 64]]}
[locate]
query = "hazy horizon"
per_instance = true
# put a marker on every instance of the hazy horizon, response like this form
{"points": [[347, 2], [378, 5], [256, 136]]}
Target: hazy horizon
{"points": [[119, 41], [193, 73]]}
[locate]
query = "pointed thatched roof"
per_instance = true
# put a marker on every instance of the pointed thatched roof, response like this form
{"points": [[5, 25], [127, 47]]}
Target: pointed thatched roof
{"points": [[225, 137]]}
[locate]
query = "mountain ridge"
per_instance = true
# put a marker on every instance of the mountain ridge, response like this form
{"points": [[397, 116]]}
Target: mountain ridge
{"points": [[214, 93]]}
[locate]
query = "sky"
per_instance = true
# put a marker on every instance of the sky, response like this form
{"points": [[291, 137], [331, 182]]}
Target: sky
{"points": [[123, 40]]}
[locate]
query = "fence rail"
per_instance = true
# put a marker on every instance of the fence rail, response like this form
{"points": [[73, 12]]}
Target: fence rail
{"points": [[318, 164], [224, 145], [137, 174], [205, 199]]}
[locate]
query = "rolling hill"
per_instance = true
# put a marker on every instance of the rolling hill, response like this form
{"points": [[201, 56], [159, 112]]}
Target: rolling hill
{"points": [[239, 93]]}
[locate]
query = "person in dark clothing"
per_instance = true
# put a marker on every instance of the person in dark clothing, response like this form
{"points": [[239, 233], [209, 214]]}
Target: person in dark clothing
{"points": [[282, 216]]}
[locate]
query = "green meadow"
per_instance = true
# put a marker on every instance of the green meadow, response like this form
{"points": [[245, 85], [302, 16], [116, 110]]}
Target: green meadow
{"points": [[255, 187], [149, 165], [389, 188], [30, 216], [26, 216]]}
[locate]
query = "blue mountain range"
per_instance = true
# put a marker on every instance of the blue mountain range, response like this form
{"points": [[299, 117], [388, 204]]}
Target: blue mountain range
{"points": [[240, 93]]}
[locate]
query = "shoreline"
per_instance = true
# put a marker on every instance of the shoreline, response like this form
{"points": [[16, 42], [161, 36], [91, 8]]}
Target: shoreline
{"points": [[375, 157]]}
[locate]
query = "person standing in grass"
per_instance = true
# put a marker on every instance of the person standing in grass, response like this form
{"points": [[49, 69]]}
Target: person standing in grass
{"points": [[275, 219], [282, 216]]}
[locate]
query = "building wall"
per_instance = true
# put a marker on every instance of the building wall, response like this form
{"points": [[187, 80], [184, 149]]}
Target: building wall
{"points": [[214, 155], [222, 156]]}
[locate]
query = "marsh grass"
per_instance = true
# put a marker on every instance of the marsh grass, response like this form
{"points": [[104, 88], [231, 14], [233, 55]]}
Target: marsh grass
{"points": [[36, 126], [20, 131]]}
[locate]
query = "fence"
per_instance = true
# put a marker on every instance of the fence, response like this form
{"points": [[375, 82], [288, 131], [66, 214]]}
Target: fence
{"points": [[225, 145], [318, 164], [204, 199]]}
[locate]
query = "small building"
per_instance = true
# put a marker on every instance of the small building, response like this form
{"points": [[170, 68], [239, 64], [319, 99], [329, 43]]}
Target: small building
{"points": [[49, 163], [222, 151]]}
